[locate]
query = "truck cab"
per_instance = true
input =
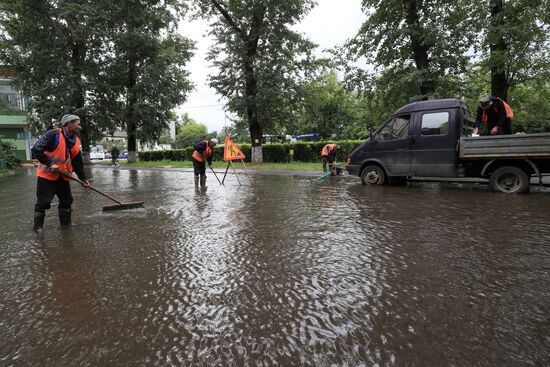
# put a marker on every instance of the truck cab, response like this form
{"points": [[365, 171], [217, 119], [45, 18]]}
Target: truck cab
{"points": [[404, 145]]}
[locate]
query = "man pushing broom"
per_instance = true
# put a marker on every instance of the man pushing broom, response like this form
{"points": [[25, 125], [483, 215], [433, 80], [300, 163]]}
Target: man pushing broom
{"points": [[57, 150]]}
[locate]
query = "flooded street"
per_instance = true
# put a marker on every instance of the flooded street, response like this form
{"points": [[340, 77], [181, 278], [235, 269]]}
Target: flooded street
{"points": [[284, 271]]}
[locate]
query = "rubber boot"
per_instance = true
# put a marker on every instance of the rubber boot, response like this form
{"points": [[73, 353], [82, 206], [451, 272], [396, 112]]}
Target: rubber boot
{"points": [[65, 216], [38, 221], [196, 181], [203, 182]]}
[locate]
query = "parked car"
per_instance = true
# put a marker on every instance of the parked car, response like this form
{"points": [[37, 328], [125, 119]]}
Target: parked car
{"points": [[307, 137], [123, 155], [97, 152], [433, 139]]}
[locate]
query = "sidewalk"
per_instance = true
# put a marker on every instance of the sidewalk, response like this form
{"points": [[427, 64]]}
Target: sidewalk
{"points": [[240, 171]]}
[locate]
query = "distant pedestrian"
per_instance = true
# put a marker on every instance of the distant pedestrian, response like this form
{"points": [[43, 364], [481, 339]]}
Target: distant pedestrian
{"points": [[57, 150], [496, 114], [328, 155], [203, 154], [114, 156]]}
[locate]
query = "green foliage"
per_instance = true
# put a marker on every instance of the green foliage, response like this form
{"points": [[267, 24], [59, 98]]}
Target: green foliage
{"points": [[190, 134], [274, 153], [530, 103], [258, 56], [430, 37], [514, 39], [7, 155], [114, 63], [331, 111], [51, 46]]}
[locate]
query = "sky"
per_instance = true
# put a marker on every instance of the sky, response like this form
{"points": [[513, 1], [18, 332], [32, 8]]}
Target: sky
{"points": [[330, 23]]}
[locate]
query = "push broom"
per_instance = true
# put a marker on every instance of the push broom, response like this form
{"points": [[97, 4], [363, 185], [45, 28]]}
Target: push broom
{"points": [[118, 206]]}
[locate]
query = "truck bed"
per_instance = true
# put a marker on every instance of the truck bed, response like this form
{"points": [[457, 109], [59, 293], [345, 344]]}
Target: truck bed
{"points": [[502, 146]]}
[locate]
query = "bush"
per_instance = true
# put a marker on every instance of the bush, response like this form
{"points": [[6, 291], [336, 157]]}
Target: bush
{"points": [[273, 153], [8, 156]]}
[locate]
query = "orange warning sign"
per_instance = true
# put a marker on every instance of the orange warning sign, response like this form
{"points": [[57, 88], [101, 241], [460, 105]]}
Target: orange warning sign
{"points": [[231, 152]]}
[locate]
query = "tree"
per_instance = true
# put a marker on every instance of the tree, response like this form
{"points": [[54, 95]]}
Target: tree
{"points": [[531, 107], [515, 41], [258, 56], [146, 69], [190, 134], [111, 63], [52, 46], [8, 155], [331, 111], [427, 38]]}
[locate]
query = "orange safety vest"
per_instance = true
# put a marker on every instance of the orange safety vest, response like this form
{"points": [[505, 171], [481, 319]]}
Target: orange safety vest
{"points": [[509, 112], [58, 156], [202, 156], [324, 152]]}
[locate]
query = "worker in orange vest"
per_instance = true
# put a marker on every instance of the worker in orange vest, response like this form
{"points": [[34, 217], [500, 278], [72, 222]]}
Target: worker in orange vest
{"points": [[203, 154], [496, 114], [57, 150], [328, 155]]}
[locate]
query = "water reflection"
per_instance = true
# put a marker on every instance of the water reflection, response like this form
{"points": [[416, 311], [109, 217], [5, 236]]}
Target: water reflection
{"points": [[287, 271]]}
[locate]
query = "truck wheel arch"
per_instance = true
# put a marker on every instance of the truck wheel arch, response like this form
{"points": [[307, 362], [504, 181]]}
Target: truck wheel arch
{"points": [[523, 164]]}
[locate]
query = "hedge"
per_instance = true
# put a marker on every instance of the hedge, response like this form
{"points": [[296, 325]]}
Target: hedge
{"points": [[304, 152]]}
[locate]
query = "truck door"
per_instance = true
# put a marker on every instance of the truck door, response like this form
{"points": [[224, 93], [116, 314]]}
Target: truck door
{"points": [[391, 145], [434, 143]]}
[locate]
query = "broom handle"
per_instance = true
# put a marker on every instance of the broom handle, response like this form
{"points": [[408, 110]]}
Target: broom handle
{"points": [[214, 172], [67, 174]]}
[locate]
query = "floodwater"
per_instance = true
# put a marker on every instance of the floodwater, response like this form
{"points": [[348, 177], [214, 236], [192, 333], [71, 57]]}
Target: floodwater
{"points": [[282, 271]]}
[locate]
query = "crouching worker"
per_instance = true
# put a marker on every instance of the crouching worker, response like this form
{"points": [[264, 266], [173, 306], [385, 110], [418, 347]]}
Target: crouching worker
{"points": [[328, 155], [496, 114], [202, 155], [57, 150]]}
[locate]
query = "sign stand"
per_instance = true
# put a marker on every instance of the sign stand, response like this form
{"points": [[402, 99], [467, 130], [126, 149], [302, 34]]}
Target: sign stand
{"points": [[247, 175], [230, 153], [235, 172], [226, 169]]}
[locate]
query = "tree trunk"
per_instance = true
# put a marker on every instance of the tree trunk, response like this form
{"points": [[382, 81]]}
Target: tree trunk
{"points": [[132, 142], [78, 57], [256, 138], [131, 123], [497, 47], [251, 90], [419, 48]]}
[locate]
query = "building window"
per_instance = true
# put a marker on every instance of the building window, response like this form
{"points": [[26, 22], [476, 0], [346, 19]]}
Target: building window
{"points": [[10, 97]]}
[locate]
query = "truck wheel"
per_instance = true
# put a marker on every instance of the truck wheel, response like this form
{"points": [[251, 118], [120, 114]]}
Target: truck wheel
{"points": [[372, 175], [510, 180]]}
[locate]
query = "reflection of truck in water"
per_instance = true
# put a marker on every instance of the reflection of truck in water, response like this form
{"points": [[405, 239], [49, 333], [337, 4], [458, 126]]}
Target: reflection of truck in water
{"points": [[97, 152], [433, 139]]}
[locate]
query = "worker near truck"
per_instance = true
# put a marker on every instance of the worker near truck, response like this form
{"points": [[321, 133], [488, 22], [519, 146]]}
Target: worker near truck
{"points": [[57, 150], [496, 114], [328, 155]]}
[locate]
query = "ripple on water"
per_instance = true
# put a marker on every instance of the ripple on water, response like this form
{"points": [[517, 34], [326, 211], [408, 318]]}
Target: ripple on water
{"points": [[288, 271]]}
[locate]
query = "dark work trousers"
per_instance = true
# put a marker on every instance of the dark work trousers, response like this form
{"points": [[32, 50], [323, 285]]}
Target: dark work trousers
{"points": [[326, 160], [506, 129], [199, 167], [46, 190]]}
